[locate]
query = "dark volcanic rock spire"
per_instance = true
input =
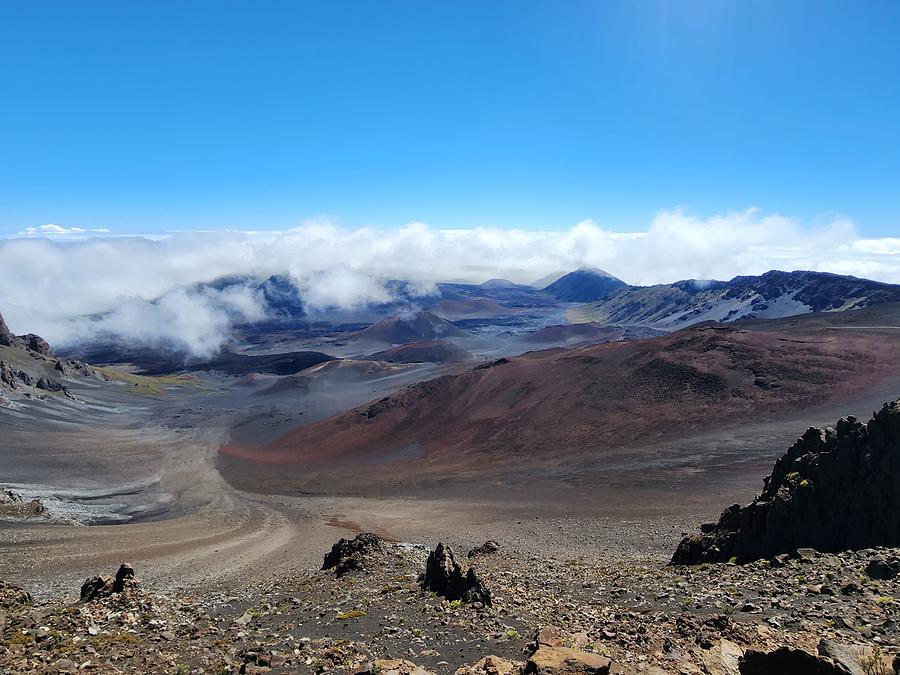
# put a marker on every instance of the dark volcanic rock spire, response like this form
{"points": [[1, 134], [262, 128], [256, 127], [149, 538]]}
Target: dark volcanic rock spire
{"points": [[834, 489], [444, 576]]}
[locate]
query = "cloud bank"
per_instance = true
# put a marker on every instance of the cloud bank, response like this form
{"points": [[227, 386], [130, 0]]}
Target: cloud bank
{"points": [[75, 288]]}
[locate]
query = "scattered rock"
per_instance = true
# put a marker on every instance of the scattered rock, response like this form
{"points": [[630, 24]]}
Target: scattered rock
{"points": [[487, 548], [398, 667], [35, 508], [65, 666], [444, 576], [12, 505], [13, 596], [620, 615]]}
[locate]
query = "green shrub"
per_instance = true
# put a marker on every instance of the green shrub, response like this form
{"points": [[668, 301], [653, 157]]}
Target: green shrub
{"points": [[352, 614]]}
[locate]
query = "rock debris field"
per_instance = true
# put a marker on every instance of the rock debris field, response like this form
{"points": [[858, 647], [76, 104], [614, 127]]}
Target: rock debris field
{"points": [[808, 612]]}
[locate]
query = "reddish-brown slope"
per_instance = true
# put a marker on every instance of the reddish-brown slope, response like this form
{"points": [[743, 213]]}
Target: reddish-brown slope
{"points": [[563, 404]]}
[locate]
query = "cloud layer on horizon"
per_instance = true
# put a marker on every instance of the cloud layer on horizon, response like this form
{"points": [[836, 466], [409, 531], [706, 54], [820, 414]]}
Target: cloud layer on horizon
{"points": [[74, 288]]}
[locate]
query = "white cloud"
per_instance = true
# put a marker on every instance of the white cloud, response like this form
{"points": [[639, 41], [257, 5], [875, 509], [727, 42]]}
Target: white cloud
{"points": [[344, 287], [142, 286], [56, 230]]}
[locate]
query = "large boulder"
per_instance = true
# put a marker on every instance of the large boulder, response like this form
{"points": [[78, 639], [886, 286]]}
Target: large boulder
{"points": [[787, 660], [723, 658], [834, 489], [444, 576], [858, 659], [566, 661], [883, 567], [37, 344], [51, 385], [554, 654], [347, 555]]}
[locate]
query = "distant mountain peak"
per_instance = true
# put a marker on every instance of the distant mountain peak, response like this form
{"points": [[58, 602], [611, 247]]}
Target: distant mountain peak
{"points": [[590, 269], [585, 285], [499, 283]]}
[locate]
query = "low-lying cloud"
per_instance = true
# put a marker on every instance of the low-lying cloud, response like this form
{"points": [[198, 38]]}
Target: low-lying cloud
{"points": [[71, 284]]}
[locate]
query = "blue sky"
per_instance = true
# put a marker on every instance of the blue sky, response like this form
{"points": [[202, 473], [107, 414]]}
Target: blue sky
{"points": [[150, 116]]}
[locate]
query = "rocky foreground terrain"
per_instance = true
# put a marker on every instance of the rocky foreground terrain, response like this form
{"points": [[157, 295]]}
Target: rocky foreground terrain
{"points": [[371, 611]]}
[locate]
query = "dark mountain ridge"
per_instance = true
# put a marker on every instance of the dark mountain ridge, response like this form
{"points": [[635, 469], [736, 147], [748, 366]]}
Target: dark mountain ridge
{"points": [[774, 294]]}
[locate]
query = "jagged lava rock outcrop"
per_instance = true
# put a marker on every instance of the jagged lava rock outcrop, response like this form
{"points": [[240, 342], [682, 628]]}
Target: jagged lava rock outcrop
{"points": [[348, 555], [444, 576], [103, 586], [834, 489], [6, 336]]}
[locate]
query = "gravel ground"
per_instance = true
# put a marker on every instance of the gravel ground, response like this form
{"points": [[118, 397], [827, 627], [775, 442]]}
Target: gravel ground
{"points": [[639, 612]]}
